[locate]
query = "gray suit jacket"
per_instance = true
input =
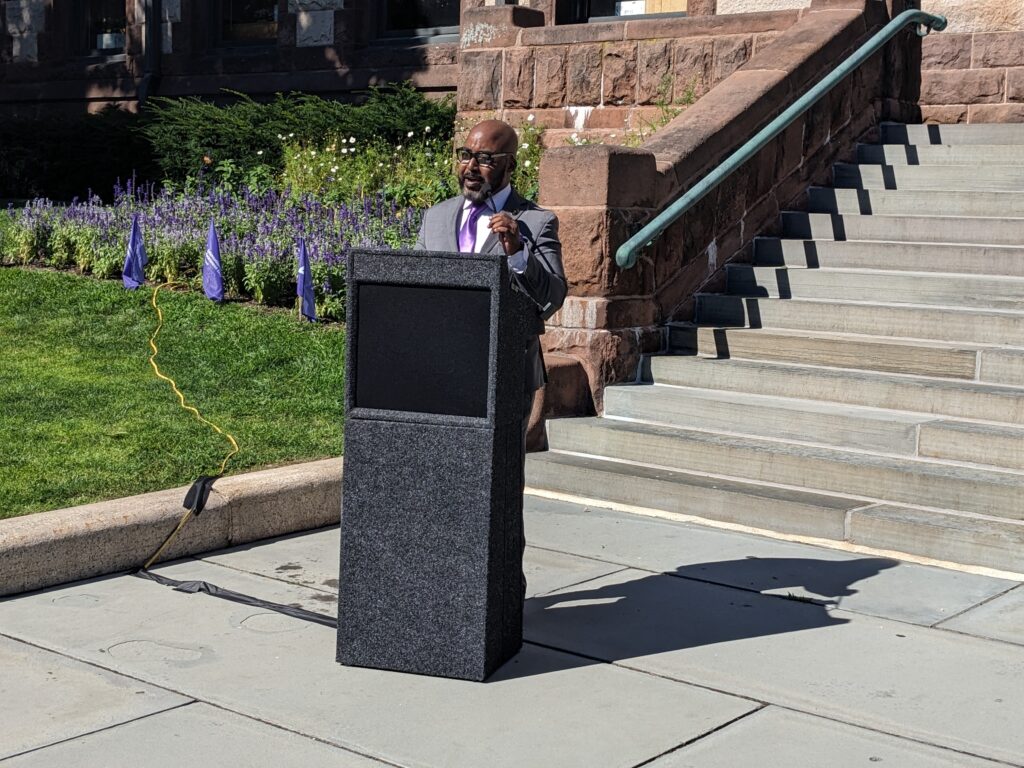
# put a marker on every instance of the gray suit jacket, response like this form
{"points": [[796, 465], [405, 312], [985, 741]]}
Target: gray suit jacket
{"points": [[544, 279]]}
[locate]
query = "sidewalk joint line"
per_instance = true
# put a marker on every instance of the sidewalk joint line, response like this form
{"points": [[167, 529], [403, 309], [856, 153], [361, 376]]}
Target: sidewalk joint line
{"points": [[702, 736]]}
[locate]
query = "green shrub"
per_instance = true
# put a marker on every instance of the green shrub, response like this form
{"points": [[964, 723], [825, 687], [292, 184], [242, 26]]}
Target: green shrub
{"points": [[7, 227], [241, 143]]}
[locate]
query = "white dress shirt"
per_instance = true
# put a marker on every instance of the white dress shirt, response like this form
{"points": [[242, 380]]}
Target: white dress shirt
{"points": [[517, 261]]}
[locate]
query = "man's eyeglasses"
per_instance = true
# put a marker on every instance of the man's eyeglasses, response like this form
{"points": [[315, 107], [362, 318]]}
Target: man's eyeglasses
{"points": [[486, 159]]}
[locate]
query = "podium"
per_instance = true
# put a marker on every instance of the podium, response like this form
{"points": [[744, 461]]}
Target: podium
{"points": [[431, 526]]}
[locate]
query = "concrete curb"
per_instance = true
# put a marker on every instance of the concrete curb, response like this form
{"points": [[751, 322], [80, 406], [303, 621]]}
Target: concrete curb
{"points": [[50, 548]]}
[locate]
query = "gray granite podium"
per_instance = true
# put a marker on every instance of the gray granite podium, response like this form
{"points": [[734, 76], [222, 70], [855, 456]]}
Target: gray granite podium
{"points": [[431, 535]]}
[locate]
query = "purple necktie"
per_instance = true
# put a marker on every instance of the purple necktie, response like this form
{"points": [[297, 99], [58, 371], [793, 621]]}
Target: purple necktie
{"points": [[467, 232]]}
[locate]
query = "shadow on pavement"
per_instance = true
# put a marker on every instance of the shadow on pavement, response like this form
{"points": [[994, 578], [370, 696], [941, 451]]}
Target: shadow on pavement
{"points": [[617, 619]]}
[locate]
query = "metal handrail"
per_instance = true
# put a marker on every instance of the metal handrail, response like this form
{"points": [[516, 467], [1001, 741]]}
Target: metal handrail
{"points": [[627, 254]]}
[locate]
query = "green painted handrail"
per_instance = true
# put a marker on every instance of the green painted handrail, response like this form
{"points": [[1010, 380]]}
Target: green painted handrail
{"points": [[629, 251]]}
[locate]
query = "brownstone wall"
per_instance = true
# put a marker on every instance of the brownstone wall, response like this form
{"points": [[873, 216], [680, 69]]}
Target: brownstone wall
{"points": [[329, 47], [601, 76], [602, 194], [973, 78]]}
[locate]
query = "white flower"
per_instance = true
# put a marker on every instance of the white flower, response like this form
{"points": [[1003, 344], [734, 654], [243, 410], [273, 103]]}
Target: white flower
{"points": [[409, 135], [260, 152], [344, 151], [526, 163], [291, 135], [530, 118], [280, 136], [574, 136], [351, 139], [334, 169], [427, 129], [312, 152], [380, 165], [398, 147], [525, 146]]}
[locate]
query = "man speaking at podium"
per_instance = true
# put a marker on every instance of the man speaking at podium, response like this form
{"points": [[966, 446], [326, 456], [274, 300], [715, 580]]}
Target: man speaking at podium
{"points": [[491, 217]]}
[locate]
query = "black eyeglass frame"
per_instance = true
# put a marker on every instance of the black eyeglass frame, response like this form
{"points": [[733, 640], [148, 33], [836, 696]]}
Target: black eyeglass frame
{"points": [[464, 155]]}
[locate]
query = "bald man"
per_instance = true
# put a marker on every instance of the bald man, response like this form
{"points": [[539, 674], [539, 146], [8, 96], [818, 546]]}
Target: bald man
{"points": [[491, 217]]}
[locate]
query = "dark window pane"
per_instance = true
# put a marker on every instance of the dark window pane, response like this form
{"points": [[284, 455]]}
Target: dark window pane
{"points": [[102, 25], [422, 14], [248, 20]]}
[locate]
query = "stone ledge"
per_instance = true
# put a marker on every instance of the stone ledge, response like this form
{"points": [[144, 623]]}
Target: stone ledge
{"points": [[50, 548]]}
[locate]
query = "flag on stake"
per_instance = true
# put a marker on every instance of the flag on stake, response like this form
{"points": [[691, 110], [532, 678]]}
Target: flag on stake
{"points": [[133, 274], [213, 278], [307, 303]]}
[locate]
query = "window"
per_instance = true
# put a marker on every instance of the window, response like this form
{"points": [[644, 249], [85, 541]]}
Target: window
{"points": [[245, 22], [421, 18], [578, 11], [101, 27]]}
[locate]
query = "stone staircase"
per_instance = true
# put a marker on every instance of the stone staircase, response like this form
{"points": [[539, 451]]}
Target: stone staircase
{"points": [[861, 381]]}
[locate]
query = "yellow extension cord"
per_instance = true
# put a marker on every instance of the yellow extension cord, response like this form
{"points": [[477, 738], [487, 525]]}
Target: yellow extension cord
{"points": [[192, 409]]}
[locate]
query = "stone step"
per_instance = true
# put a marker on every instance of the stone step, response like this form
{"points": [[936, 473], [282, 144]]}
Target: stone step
{"points": [[688, 493], [973, 133], [998, 445], [925, 154], [949, 178], [810, 421], [972, 291], [919, 394], [875, 319], [919, 229], [872, 353], [888, 202], [820, 469], [905, 257], [962, 538]]}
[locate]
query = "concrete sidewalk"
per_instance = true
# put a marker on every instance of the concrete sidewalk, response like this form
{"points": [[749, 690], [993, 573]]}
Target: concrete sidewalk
{"points": [[649, 642]]}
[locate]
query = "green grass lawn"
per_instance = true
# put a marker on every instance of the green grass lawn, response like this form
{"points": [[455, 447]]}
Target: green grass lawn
{"points": [[83, 418]]}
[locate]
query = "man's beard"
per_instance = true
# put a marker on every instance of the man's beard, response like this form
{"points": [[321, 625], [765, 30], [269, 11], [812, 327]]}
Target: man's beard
{"points": [[478, 195]]}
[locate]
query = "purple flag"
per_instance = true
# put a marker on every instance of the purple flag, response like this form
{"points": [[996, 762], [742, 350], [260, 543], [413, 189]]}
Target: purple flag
{"points": [[307, 302], [213, 278], [133, 275]]}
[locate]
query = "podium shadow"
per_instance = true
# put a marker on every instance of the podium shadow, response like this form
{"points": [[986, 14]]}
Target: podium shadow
{"points": [[621, 617]]}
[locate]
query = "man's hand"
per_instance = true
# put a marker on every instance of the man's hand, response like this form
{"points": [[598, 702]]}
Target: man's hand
{"points": [[507, 230]]}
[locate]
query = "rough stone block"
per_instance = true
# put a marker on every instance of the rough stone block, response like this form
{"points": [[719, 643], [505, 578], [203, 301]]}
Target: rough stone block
{"points": [[574, 34], [589, 238], [691, 67], [729, 54], [480, 84], [945, 114], [653, 71], [703, 26], [619, 177], [999, 49], [619, 78], [517, 78], [295, 6], [167, 36], [549, 78], [170, 10], [764, 39], [967, 86], [314, 29], [25, 17], [996, 113], [583, 86], [25, 48], [496, 26], [1015, 84], [944, 51]]}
